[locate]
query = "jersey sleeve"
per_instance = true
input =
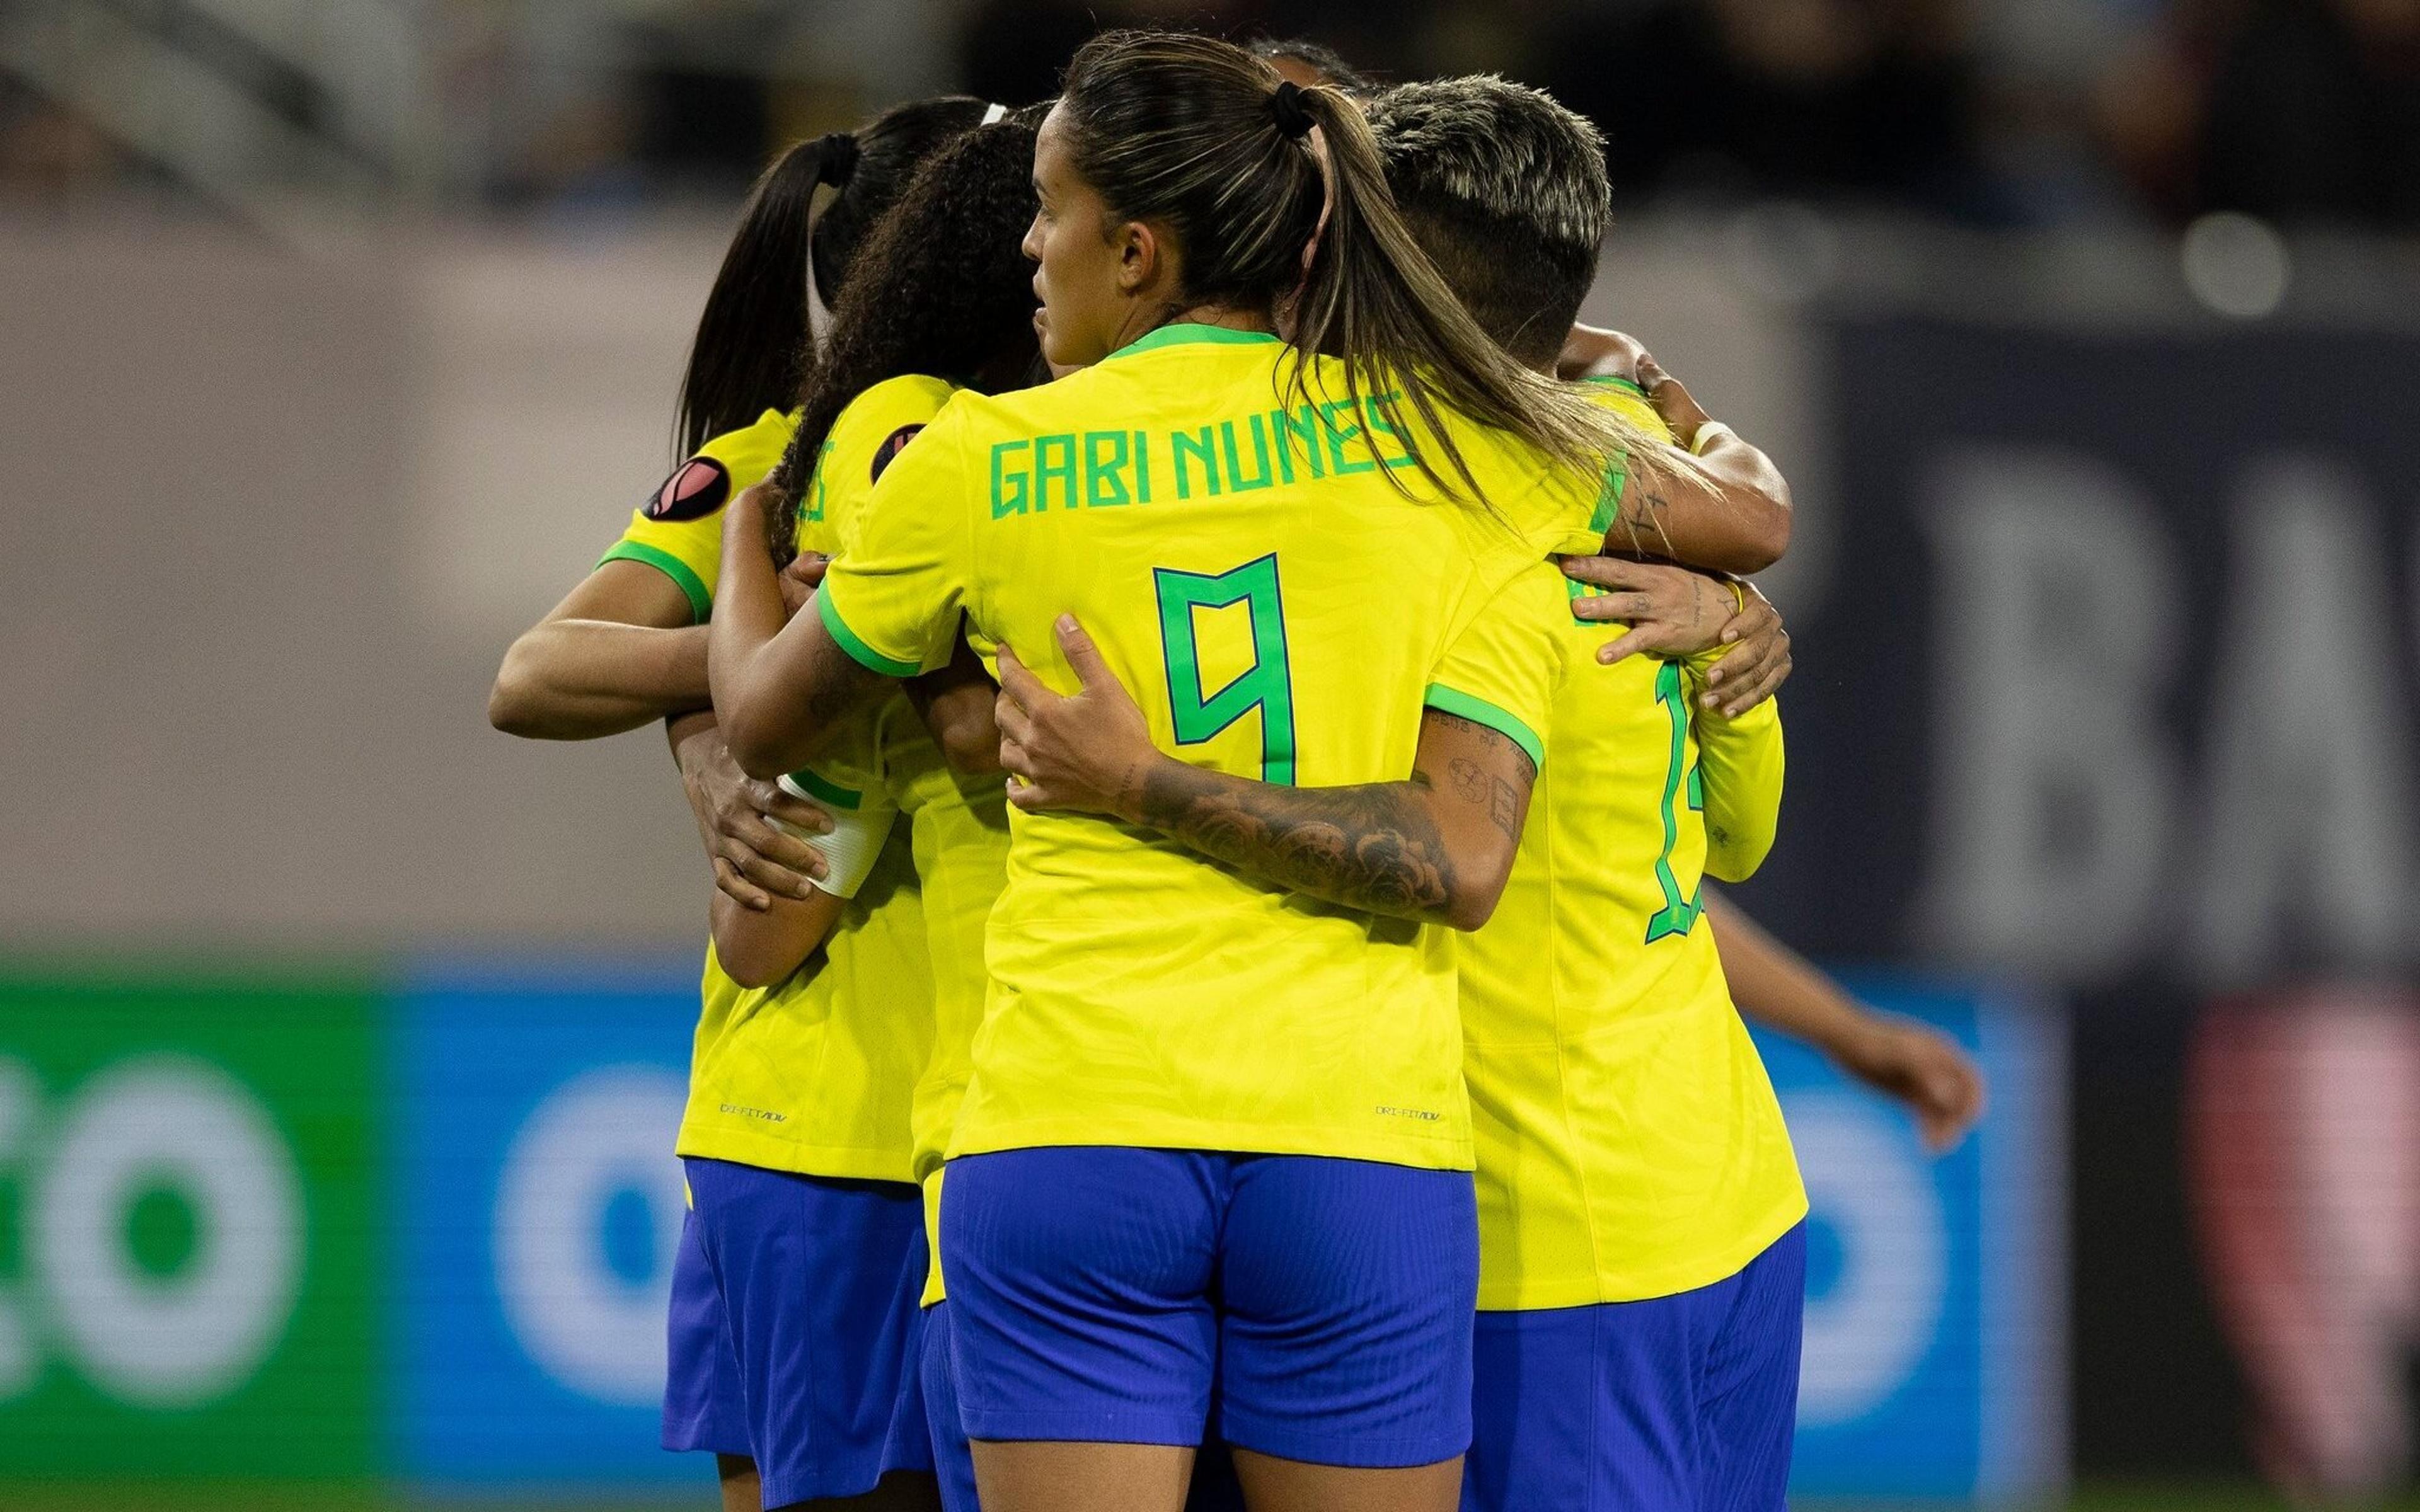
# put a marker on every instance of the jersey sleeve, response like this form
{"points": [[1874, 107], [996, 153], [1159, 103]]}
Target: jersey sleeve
{"points": [[1739, 772], [1500, 670], [892, 596], [679, 529], [1629, 401]]}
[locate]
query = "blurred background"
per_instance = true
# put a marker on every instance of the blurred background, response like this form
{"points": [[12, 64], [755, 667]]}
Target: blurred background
{"points": [[341, 1037]]}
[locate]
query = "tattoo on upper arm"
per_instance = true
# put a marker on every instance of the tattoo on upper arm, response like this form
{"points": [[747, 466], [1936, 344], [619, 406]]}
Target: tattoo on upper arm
{"points": [[1475, 784]]}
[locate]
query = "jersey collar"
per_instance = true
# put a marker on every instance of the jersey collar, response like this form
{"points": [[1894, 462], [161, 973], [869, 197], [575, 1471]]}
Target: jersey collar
{"points": [[1188, 331]]}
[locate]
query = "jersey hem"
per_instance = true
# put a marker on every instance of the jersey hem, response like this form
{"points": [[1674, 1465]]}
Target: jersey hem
{"points": [[863, 655], [701, 598], [1542, 1295], [1445, 1153], [847, 1163], [1479, 711]]}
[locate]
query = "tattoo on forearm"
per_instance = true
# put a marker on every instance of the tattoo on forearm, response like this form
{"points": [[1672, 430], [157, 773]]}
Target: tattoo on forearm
{"points": [[1366, 847], [1642, 513]]}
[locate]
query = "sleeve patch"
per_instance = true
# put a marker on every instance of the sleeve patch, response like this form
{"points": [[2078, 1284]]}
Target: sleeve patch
{"points": [[891, 446], [696, 489]]}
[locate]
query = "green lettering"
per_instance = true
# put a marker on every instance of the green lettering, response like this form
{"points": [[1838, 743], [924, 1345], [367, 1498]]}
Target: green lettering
{"points": [[1009, 490], [1103, 465], [1045, 470], [1197, 445], [1267, 685], [1382, 417], [1288, 429], [1237, 481], [1680, 912], [1338, 436], [1142, 467]]}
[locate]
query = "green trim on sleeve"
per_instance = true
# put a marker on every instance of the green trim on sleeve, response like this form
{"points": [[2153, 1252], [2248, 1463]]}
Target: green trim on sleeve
{"points": [[866, 655], [701, 598], [1479, 711], [825, 791], [1610, 381]]}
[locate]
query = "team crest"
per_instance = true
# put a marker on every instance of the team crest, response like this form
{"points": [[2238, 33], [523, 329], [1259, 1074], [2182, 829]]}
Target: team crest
{"points": [[696, 489], [891, 446]]}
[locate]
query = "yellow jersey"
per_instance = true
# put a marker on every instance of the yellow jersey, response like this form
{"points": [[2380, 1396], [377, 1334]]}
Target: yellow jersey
{"points": [[1630, 1145], [815, 1074], [1244, 561], [678, 531]]}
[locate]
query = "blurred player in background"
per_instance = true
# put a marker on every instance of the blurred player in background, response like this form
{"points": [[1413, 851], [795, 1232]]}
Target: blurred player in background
{"points": [[792, 1329]]}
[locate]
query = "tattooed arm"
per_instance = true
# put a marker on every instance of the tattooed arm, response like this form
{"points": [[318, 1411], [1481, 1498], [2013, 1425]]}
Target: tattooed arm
{"points": [[1730, 514], [779, 689], [1435, 848]]}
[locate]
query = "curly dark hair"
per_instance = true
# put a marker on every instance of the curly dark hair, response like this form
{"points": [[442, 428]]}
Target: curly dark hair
{"points": [[941, 288]]}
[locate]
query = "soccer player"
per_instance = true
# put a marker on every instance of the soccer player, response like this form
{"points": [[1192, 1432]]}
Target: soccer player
{"points": [[944, 289], [1630, 1147], [1642, 1264], [805, 1249], [1911, 1063], [1214, 1136]]}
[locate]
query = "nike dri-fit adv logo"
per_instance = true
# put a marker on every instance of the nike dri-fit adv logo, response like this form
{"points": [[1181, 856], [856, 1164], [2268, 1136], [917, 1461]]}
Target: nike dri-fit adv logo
{"points": [[696, 489]]}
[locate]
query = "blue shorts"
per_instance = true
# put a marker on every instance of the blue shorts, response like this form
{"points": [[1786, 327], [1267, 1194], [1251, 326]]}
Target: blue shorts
{"points": [[1684, 1403], [793, 1328], [1107, 1294], [1214, 1488]]}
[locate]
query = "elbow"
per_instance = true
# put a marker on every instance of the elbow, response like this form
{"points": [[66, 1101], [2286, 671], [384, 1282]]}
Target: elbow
{"points": [[1735, 858], [514, 704], [970, 744], [1470, 899], [753, 747], [752, 968], [1764, 538]]}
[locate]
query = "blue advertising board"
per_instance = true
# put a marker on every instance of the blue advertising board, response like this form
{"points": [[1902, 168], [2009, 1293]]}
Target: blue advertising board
{"points": [[1934, 1363], [538, 1209]]}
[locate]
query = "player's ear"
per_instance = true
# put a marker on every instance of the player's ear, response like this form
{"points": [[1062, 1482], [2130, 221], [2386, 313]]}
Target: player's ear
{"points": [[1142, 256]]}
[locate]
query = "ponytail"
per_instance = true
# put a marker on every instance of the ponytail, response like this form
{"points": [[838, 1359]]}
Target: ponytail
{"points": [[755, 333], [945, 291], [1278, 199], [755, 344]]}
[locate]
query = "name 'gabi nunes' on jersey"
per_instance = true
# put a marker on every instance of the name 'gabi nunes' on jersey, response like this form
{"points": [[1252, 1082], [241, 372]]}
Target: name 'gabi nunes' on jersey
{"points": [[1104, 468]]}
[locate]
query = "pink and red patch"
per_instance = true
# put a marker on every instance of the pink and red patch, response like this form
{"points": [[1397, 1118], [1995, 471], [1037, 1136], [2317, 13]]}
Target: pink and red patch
{"points": [[696, 489], [891, 446]]}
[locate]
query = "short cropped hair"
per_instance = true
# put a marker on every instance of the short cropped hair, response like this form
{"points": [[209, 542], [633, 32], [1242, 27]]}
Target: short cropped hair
{"points": [[1508, 193]]}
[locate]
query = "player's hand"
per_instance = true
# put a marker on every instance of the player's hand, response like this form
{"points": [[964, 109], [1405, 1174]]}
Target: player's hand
{"points": [[1671, 611], [1589, 352], [1924, 1070], [1671, 399], [800, 579], [1087, 753], [1758, 662], [752, 862]]}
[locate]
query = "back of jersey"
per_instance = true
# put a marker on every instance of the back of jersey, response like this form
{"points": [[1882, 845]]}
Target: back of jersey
{"points": [[1630, 1145], [1282, 612]]}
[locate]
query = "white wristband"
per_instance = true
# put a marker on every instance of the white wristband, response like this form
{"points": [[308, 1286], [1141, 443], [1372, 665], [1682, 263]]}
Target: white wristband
{"points": [[1706, 435], [851, 848]]}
